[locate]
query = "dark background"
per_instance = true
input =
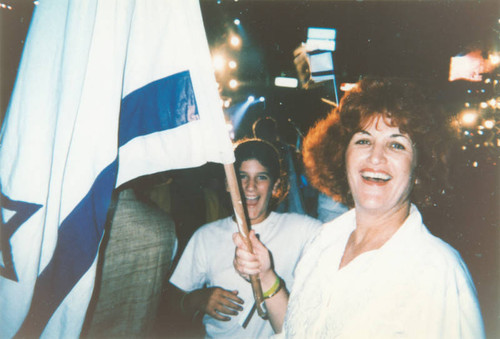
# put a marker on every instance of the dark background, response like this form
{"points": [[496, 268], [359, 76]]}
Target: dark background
{"points": [[390, 38], [405, 38]]}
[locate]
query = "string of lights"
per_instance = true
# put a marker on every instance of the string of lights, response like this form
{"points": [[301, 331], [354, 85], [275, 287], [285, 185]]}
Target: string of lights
{"points": [[478, 121], [5, 6]]}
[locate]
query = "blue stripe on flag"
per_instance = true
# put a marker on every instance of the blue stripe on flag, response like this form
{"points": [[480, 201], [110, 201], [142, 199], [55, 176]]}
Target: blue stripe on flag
{"points": [[78, 240], [161, 105]]}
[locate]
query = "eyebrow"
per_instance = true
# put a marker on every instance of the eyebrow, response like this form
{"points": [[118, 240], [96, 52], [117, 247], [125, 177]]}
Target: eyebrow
{"points": [[397, 135], [258, 173]]}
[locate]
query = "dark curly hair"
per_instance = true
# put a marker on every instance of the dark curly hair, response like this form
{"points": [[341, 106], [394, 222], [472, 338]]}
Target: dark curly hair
{"points": [[265, 153], [400, 103]]}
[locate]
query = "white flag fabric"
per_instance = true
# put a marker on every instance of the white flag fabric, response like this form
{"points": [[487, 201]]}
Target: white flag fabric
{"points": [[106, 91]]}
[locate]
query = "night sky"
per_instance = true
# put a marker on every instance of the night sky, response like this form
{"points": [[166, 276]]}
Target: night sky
{"points": [[405, 39]]}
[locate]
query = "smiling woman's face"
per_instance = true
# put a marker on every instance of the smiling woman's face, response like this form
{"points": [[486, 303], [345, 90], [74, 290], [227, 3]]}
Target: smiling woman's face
{"points": [[258, 187], [380, 161]]}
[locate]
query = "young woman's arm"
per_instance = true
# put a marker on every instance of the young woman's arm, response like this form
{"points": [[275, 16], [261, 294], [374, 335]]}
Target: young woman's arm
{"points": [[273, 287]]}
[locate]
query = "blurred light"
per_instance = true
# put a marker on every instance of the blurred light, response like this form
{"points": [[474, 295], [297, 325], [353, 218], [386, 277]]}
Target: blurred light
{"points": [[232, 64], [483, 104], [219, 62], [346, 87], [480, 132], [251, 98], [475, 164], [467, 133], [469, 118], [233, 83], [489, 124], [235, 41], [478, 145], [319, 38], [472, 65], [238, 111], [492, 102], [494, 59], [286, 82], [229, 126], [464, 147], [466, 67], [487, 81], [237, 22], [262, 99], [467, 104], [227, 103]]}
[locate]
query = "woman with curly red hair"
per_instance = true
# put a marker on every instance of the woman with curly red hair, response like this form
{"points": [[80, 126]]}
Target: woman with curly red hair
{"points": [[376, 271]]}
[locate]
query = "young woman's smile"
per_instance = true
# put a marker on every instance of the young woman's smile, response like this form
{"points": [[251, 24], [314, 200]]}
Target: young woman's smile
{"points": [[258, 189]]}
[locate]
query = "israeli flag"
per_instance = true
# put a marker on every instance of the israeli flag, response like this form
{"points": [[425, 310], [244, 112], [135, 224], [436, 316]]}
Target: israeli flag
{"points": [[106, 91]]}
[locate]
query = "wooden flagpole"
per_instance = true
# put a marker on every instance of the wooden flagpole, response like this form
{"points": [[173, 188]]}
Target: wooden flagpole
{"points": [[243, 228]]}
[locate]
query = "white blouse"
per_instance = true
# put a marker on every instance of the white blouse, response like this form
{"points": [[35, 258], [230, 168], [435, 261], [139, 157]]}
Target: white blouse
{"points": [[414, 286]]}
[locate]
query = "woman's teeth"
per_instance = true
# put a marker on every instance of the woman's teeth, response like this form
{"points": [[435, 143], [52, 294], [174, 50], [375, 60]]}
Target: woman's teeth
{"points": [[375, 176]]}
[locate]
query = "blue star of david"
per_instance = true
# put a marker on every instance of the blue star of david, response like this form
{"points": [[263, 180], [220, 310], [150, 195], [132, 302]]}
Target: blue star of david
{"points": [[24, 210]]}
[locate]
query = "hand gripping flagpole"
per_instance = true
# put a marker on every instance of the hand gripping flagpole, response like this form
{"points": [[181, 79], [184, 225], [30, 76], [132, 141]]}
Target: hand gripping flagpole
{"points": [[243, 228]]}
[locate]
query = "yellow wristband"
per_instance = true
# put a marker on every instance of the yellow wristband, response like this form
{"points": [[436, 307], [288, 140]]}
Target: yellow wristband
{"points": [[274, 289]]}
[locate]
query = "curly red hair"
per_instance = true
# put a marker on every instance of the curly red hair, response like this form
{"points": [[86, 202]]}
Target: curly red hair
{"points": [[401, 104]]}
